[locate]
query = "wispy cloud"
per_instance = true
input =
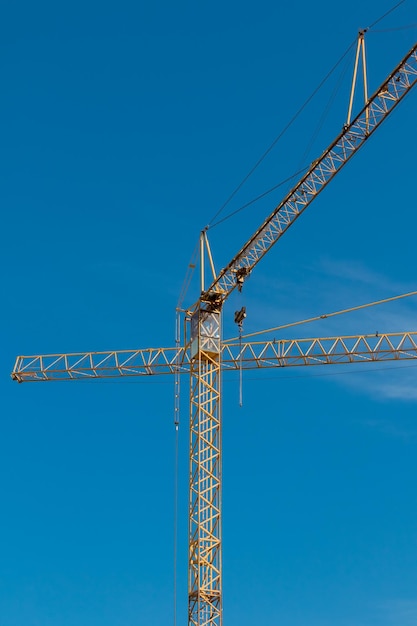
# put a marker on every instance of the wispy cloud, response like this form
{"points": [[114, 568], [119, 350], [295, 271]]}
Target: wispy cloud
{"points": [[398, 612], [390, 382], [356, 272], [403, 388], [336, 284], [332, 286], [392, 429]]}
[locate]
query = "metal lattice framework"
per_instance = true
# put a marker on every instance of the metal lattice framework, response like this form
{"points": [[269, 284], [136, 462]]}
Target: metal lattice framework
{"points": [[248, 355], [205, 492], [205, 357], [321, 172]]}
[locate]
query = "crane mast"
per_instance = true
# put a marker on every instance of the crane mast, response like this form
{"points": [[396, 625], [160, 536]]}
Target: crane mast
{"points": [[206, 355], [205, 545]]}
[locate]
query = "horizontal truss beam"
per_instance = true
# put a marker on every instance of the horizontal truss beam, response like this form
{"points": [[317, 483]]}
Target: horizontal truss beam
{"points": [[248, 355]]}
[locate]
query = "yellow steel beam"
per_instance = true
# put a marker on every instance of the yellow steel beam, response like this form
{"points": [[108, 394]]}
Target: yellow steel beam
{"points": [[248, 355]]}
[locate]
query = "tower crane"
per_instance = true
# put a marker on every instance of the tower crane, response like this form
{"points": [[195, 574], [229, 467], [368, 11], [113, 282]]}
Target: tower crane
{"points": [[204, 354]]}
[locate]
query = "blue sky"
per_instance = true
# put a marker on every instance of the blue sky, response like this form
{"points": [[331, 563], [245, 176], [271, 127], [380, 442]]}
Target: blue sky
{"points": [[125, 128]]}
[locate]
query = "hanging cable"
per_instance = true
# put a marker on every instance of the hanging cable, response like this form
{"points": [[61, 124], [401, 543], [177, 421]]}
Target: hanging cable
{"points": [[325, 316], [281, 134], [188, 276], [175, 524], [240, 368], [176, 426], [385, 14], [327, 374], [262, 195], [285, 129], [325, 113], [395, 28], [239, 317]]}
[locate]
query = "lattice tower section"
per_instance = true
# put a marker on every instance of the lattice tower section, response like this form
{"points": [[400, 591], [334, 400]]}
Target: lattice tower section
{"points": [[204, 582]]}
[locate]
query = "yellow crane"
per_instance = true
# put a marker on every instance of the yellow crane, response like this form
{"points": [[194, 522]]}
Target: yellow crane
{"points": [[204, 354]]}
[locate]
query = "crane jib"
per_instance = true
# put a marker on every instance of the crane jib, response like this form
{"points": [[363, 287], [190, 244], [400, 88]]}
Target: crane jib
{"points": [[321, 172]]}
